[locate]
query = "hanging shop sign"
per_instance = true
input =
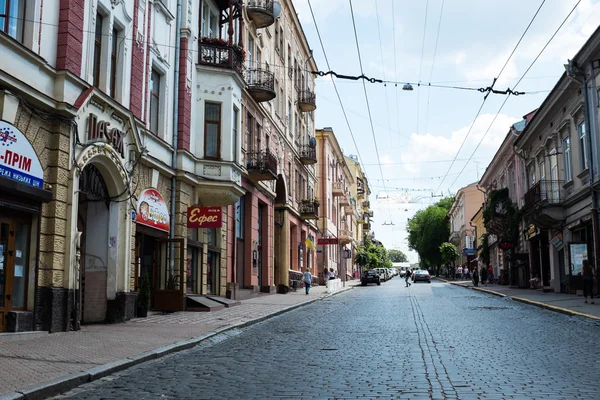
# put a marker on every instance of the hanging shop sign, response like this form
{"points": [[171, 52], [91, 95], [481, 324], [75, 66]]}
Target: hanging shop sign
{"points": [[469, 251], [326, 241], [152, 210], [204, 217], [102, 131], [531, 232], [18, 160]]}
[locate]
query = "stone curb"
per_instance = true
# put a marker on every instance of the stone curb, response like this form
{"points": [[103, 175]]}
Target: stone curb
{"points": [[561, 310], [65, 383], [555, 308]]}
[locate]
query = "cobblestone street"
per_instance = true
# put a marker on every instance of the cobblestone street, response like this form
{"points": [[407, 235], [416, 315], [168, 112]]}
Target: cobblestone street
{"points": [[427, 341]]}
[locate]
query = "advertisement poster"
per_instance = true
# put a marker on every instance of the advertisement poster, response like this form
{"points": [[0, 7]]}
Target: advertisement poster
{"points": [[152, 210], [18, 160], [578, 252]]}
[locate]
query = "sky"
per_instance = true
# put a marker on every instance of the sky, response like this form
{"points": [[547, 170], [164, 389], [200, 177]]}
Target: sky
{"points": [[416, 135]]}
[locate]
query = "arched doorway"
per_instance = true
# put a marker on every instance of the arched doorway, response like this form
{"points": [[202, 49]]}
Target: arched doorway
{"points": [[281, 239], [93, 221]]}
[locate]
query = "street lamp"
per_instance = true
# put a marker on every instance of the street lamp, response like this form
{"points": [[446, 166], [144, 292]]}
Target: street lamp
{"points": [[407, 86]]}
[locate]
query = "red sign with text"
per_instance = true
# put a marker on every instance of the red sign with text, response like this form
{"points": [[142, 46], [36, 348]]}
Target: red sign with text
{"points": [[326, 241], [204, 217]]}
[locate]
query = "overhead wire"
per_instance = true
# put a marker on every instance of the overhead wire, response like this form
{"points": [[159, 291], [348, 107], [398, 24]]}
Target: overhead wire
{"points": [[486, 97], [387, 103], [421, 63], [517, 84], [437, 38], [365, 92], [335, 87], [395, 67]]}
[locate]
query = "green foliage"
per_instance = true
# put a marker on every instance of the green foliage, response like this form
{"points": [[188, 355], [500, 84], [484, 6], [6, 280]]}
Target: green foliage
{"points": [[372, 255], [428, 229], [143, 297], [502, 213], [484, 250], [449, 253], [397, 256]]}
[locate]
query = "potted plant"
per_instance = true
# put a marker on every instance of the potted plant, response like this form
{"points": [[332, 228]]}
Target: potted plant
{"points": [[143, 298]]}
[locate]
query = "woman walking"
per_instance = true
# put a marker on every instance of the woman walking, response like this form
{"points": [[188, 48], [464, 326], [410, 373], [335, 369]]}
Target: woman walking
{"points": [[588, 280]]}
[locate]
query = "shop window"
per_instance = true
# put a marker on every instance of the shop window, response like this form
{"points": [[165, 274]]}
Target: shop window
{"points": [[213, 263], [212, 130], [12, 18], [155, 82], [97, 50], [193, 261], [239, 218]]}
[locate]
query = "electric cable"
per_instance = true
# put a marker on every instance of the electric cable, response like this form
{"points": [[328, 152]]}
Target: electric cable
{"points": [[421, 63]]}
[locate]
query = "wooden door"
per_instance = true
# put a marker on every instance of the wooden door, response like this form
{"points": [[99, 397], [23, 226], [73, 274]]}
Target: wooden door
{"points": [[168, 293]]}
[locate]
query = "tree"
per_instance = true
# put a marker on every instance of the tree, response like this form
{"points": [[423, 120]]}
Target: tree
{"points": [[397, 256], [428, 229], [449, 253], [372, 255]]}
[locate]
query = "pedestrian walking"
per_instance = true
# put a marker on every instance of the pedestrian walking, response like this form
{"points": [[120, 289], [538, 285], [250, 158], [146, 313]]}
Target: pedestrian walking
{"points": [[475, 277], [491, 274], [588, 280], [307, 278], [466, 273], [407, 276], [484, 275], [331, 274]]}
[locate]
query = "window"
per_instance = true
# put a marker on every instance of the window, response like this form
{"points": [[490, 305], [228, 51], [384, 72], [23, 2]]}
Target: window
{"points": [[154, 101], [567, 152], [249, 53], [212, 130], [289, 62], [114, 59], [542, 170], [97, 50], [234, 131], [249, 132], [583, 146], [276, 100], [277, 47], [12, 18], [281, 41], [531, 170]]}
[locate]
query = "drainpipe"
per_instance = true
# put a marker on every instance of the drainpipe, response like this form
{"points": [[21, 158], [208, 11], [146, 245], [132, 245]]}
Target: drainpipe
{"points": [[175, 132]]}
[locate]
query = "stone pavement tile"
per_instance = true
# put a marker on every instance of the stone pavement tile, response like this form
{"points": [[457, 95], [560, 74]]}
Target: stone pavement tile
{"points": [[31, 361]]}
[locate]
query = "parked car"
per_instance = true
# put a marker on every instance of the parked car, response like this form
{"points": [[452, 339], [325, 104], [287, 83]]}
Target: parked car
{"points": [[402, 272], [383, 275], [370, 276], [421, 275]]}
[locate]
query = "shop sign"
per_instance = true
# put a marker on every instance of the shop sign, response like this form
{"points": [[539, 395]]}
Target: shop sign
{"points": [[327, 241], [469, 251], [101, 130], [18, 160], [531, 232], [505, 245], [204, 217], [152, 210]]}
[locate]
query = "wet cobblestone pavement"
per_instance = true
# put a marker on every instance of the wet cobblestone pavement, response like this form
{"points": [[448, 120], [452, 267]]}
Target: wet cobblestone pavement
{"points": [[429, 341]]}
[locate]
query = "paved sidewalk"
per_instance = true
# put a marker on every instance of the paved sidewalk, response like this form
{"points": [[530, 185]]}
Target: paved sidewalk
{"points": [[38, 366], [560, 302]]}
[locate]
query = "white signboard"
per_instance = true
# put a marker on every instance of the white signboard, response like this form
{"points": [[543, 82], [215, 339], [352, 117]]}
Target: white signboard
{"points": [[18, 160]]}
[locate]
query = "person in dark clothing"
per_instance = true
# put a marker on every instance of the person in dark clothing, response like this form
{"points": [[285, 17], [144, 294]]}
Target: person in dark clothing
{"points": [[484, 275], [407, 276], [475, 277], [588, 280]]}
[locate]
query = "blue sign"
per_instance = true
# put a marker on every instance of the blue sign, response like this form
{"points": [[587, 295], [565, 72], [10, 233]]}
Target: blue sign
{"points": [[469, 252], [18, 160]]}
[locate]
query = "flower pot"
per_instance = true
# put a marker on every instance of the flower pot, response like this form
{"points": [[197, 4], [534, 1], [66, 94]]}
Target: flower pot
{"points": [[142, 312]]}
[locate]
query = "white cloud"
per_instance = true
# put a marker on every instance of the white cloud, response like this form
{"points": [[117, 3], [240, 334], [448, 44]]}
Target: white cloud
{"points": [[428, 147]]}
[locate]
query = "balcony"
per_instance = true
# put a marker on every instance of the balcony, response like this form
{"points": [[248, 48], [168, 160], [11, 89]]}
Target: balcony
{"points": [[309, 209], [345, 236], [262, 166], [349, 210], [367, 226], [261, 12], [307, 101], [216, 53], [308, 154], [260, 83], [337, 189], [543, 204], [360, 192], [345, 200], [366, 204]]}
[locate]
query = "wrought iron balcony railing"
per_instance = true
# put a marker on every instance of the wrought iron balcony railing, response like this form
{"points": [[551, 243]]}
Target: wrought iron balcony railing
{"points": [[309, 209], [260, 84], [308, 154], [220, 56], [307, 100], [262, 165], [261, 12], [543, 193]]}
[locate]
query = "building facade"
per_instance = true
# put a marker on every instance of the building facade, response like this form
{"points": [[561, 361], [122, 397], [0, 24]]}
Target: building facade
{"points": [[466, 203]]}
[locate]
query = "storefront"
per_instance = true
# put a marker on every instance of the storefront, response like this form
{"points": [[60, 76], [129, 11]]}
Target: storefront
{"points": [[22, 193]]}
